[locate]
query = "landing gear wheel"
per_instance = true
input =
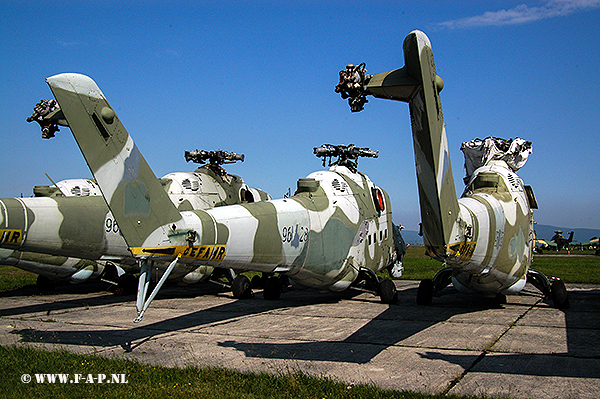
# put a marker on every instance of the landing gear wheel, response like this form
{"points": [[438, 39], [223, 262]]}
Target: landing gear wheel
{"points": [[560, 298], [272, 288], [44, 284], [241, 287], [387, 291], [127, 285], [500, 299], [258, 282], [425, 292]]}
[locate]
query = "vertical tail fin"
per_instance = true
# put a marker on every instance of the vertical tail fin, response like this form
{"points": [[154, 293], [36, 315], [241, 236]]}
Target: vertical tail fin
{"points": [[437, 195], [130, 188], [418, 84]]}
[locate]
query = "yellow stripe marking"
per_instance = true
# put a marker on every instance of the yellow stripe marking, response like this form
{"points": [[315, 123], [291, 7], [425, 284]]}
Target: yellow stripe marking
{"points": [[11, 236], [215, 253]]}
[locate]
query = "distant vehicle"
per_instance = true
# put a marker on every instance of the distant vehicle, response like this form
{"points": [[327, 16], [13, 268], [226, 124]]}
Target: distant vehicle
{"points": [[591, 244], [544, 245], [560, 241]]}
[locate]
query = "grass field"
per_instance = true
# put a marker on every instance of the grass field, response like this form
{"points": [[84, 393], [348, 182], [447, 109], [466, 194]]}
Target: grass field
{"points": [[143, 381], [572, 268], [12, 278]]}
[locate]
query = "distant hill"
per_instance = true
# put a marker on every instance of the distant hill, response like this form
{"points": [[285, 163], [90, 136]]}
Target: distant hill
{"points": [[543, 231], [412, 237]]}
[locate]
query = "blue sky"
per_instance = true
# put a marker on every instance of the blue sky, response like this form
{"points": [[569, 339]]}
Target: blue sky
{"points": [[258, 78]]}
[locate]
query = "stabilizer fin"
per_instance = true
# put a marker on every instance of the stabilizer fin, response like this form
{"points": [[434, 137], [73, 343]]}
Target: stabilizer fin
{"points": [[130, 188], [418, 84]]}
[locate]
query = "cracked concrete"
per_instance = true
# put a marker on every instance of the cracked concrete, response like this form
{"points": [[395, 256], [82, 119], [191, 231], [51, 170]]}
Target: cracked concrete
{"points": [[458, 345]]}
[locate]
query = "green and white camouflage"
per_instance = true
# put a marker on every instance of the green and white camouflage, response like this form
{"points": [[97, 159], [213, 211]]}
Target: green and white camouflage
{"points": [[333, 233], [66, 232], [486, 236]]}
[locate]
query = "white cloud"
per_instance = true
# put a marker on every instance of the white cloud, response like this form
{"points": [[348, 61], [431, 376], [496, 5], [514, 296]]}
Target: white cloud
{"points": [[522, 14]]}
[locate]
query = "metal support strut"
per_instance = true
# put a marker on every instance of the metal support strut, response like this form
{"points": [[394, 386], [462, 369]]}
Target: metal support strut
{"points": [[142, 303]]}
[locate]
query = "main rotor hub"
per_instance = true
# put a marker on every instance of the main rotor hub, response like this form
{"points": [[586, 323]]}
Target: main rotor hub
{"points": [[214, 158], [344, 155]]}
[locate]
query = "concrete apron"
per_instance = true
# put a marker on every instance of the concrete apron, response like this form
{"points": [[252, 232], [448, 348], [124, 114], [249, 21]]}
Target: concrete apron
{"points": [[459, 344]]}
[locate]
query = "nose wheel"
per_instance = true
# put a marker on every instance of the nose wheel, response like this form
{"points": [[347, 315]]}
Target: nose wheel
{"points": [[387, 291]]}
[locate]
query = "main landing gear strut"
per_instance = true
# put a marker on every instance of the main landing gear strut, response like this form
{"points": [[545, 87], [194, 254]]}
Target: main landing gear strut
{"points": [[552, 288], [369, 281]]}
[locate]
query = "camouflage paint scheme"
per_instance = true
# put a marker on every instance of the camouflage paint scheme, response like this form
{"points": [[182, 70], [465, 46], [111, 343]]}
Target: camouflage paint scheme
{"points": [[53, 268], [50, 233], [486, 236], [322, 237]]}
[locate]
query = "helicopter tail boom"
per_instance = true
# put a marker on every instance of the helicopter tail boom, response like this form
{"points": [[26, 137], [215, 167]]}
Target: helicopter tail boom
{"points": [[418, 84]]}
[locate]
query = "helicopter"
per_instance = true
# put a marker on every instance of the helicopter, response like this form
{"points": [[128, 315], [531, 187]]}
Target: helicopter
{"points": [[485, 237], [67, 233], [334, 233]]}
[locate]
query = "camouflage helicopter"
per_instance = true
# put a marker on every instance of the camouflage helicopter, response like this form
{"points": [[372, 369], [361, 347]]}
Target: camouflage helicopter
{"points": [[51, 268], [206, 187], [336, 230], [485, 237], [67, 232], [560, 241]]}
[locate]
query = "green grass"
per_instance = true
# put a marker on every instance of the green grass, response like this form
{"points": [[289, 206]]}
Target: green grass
{"points": [[149, 382], [12, 278], [570, 268], [417, 265]]}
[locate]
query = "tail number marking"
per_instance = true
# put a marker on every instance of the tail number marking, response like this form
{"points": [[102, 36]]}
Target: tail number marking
{"points": [[205, 252], [111, 226], [215, 253], [293, 234]]}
